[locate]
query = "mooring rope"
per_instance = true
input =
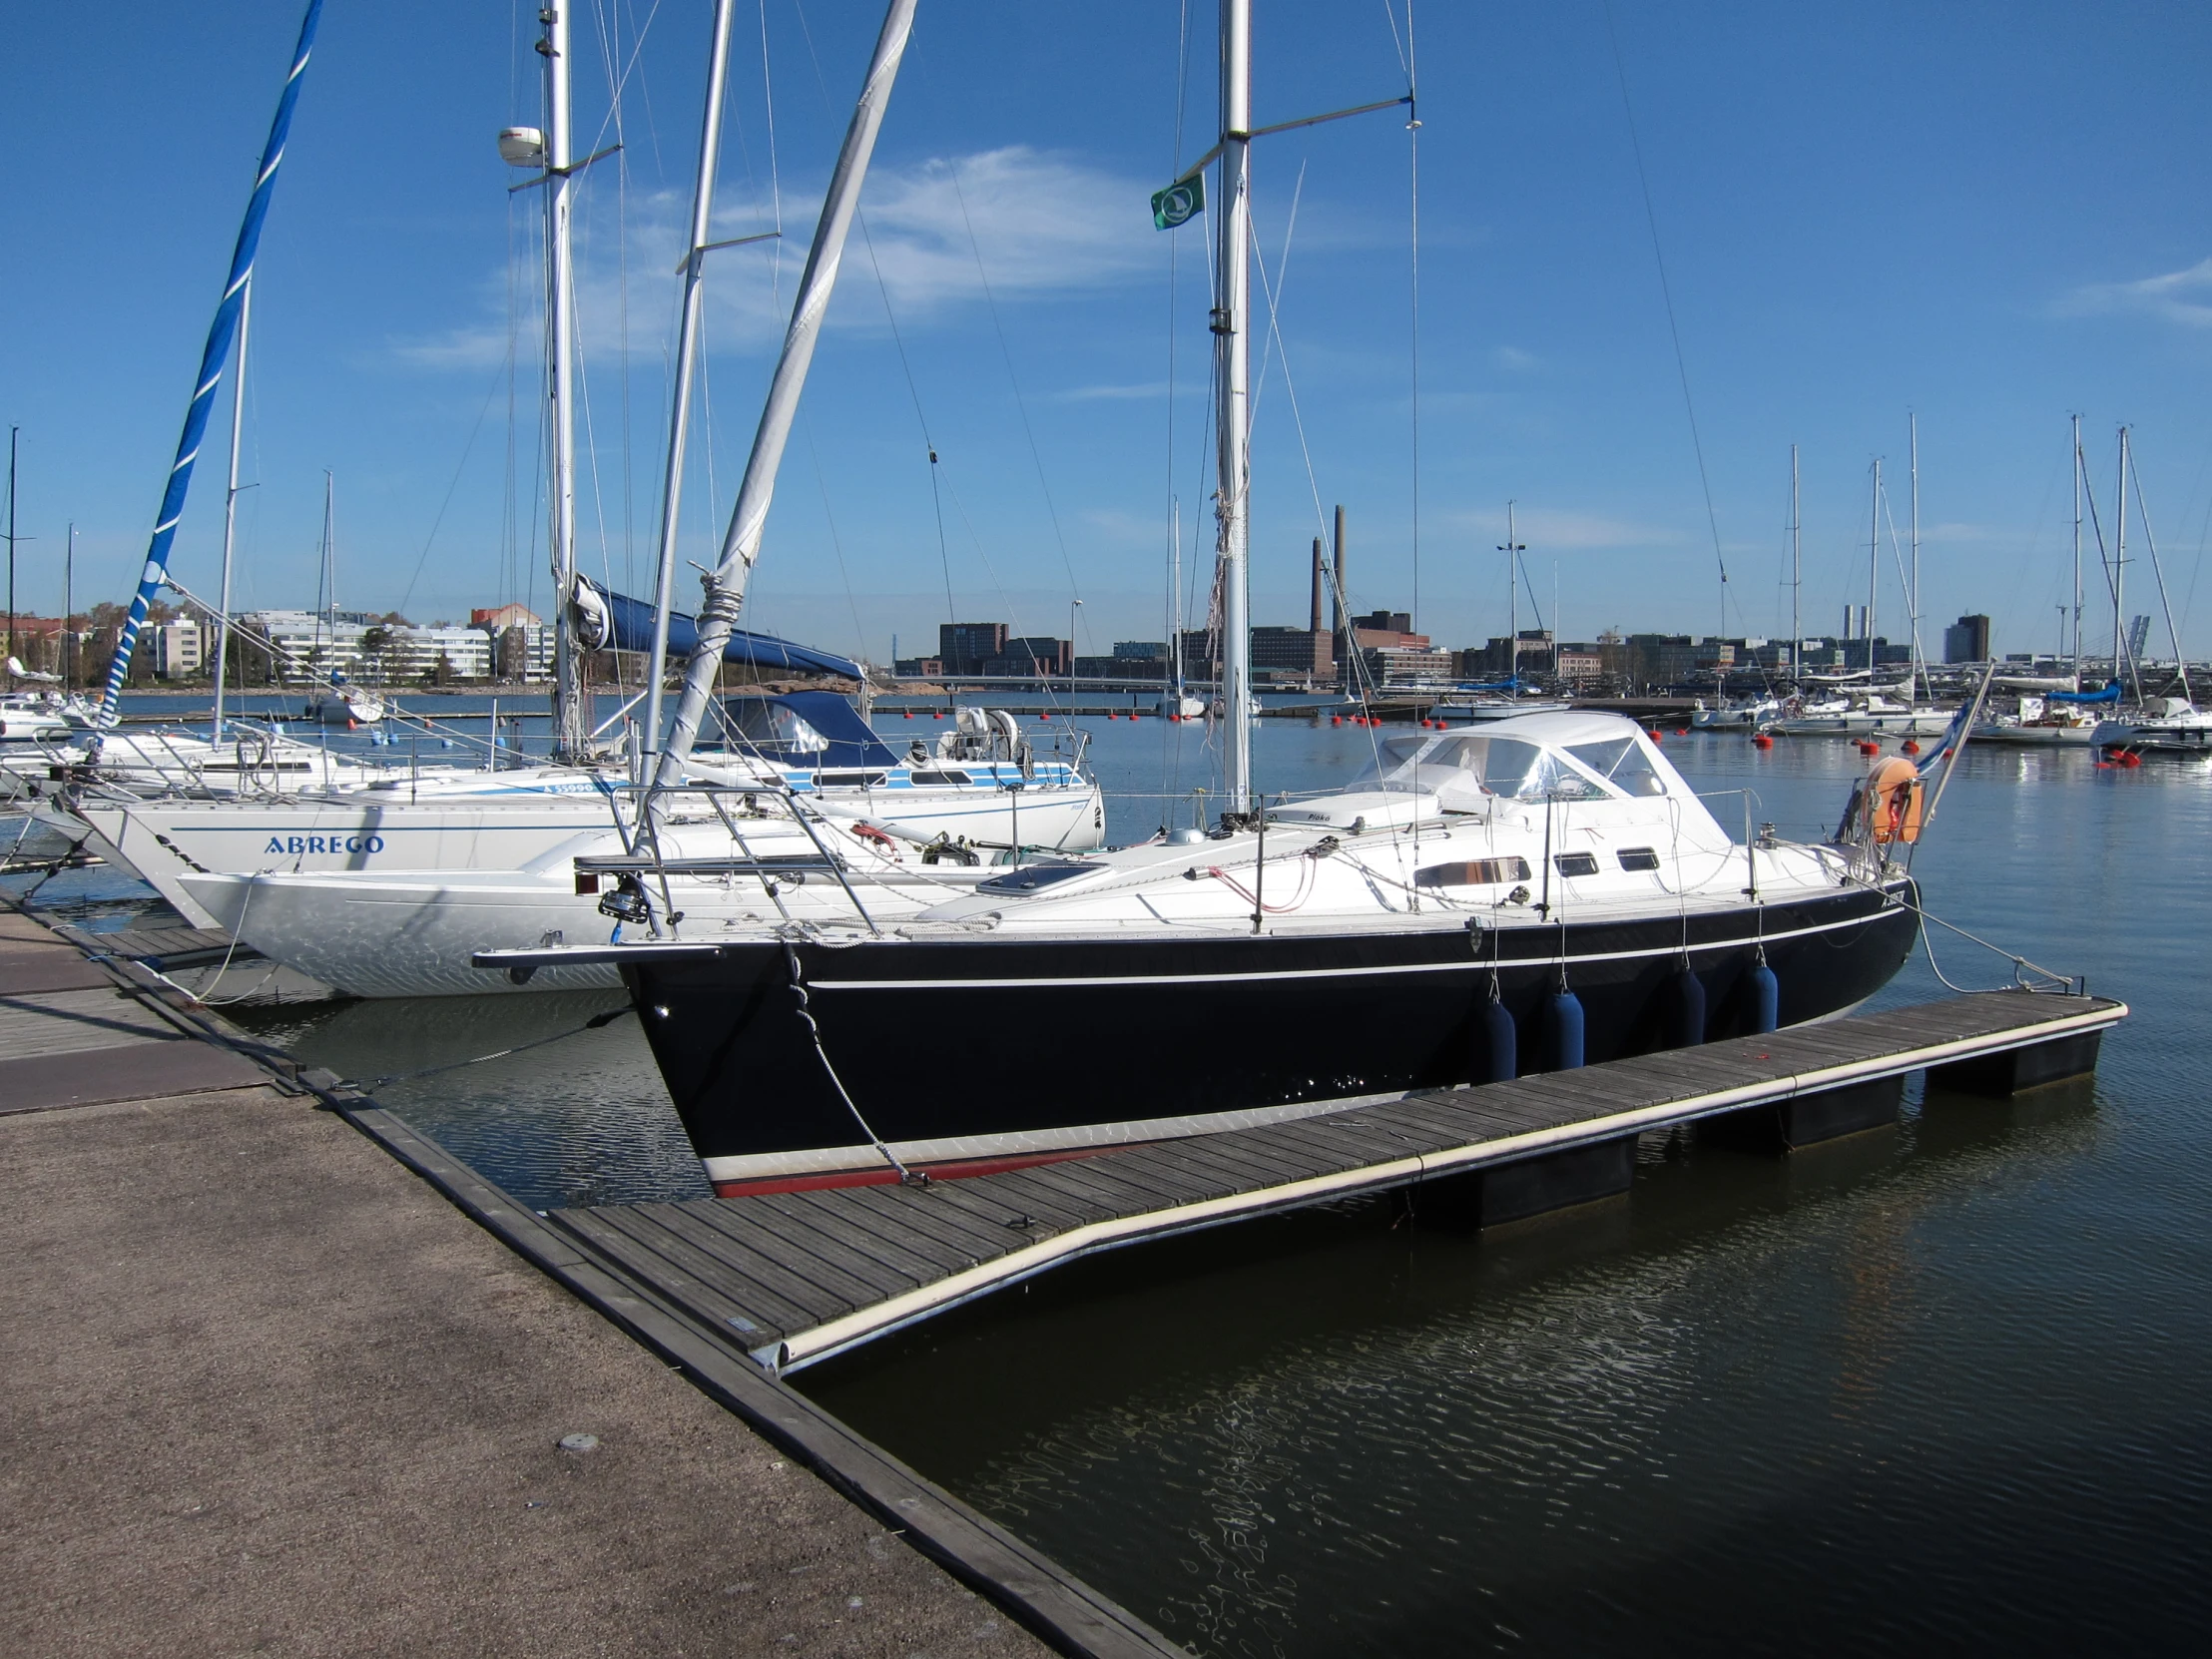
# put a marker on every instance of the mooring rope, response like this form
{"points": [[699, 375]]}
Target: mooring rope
{"points": [[906, 1177]]}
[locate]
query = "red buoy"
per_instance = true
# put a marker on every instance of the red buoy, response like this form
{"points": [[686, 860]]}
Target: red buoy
{"points": [[2130, 758], [1909, 747], [1335, 719], [1655, 735], [1759, 739], [1681, 731], [909, 714]]}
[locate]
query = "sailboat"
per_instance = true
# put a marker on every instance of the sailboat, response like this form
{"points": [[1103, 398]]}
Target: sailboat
{"points": [[802, 806], [1531, 895], [2164, 724], [334, 698], [2050, 711], [1857, 704]]}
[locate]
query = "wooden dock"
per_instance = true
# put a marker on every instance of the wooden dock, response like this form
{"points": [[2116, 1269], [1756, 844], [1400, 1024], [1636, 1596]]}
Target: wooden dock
{"points": [[215, 1238], [76, 1031], [795, 1278]]}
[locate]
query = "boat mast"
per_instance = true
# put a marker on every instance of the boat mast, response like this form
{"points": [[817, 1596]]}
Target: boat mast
{"points": [[1913, 431], [2119, 573], [1512, 551], [217, 348], [1233, 366], [2078, 552], [741, 543], [571, 722], [1175, 599], [230, 501], [13, 432], [1797, 571], [687, 347], [1874, 567], [323, 660]]}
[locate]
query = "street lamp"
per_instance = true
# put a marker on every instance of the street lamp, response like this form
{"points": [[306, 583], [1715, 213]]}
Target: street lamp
{"points": [[1073, 606]]}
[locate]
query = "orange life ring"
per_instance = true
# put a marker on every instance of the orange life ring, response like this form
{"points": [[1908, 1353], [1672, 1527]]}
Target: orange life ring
{"points": [[1892, 801]]}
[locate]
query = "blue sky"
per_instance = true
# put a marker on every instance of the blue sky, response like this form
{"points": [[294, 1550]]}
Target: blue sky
{"points": [[1991, 216]]}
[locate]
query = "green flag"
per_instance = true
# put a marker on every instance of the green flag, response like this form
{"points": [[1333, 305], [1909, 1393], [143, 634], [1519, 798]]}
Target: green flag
{"points": [[1183, 200]]}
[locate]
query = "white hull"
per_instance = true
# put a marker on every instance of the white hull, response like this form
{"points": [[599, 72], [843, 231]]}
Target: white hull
{"points": [[163, 842], [405, 934], [2157, 737], [1918, 722], [2037, 737]]}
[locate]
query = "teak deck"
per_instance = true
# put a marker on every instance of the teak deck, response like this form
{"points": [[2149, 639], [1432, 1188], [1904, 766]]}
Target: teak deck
{"points": [[798, 1277]]}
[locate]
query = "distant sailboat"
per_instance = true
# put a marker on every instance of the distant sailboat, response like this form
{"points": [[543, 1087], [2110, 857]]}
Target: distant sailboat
{"points": [[335, 699]]}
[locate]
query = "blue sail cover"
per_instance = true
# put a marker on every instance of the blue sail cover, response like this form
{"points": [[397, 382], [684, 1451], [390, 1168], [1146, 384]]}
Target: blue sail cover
{"points": [[2110, 694], [809, 728], [631, 629]]}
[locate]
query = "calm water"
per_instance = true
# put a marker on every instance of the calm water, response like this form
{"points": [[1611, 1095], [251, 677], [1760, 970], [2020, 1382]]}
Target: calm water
{"points": [[1941, 1387]]}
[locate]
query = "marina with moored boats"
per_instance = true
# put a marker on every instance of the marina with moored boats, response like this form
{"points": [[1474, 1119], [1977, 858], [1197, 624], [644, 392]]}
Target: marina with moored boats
{"points": [[1292, 1140]]}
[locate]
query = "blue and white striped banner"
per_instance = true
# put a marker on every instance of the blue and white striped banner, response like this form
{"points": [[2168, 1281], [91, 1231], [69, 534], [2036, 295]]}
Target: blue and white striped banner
{"points": [[220, 336]]}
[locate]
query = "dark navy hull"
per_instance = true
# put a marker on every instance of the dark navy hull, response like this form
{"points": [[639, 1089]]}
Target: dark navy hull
{"points": [[994, 1040]]}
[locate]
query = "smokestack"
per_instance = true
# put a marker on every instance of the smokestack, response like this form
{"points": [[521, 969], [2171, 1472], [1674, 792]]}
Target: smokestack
{"points": [[1343, 630]]}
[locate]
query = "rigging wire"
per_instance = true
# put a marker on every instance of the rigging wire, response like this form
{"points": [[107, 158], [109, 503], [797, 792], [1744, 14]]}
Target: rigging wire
{"points": [[1666, 291], [1021, 405], [2158, 570], [837, 543], [506, 371], [1362, 684]]}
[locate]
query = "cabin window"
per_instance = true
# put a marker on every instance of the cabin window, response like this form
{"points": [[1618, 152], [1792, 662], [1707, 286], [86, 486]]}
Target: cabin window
{"points": [[1622, 762], [848, 780], [769, 725], [1575, 863], [937, 779], [1639, 858], [1475, 872]]}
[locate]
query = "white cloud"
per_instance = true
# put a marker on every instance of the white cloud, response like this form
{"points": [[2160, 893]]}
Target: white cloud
{"points": [[2183, 297], [1042, 224]]}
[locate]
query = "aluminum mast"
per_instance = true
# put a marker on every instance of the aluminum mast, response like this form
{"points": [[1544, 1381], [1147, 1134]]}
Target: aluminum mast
{"points": [[1231, 373], [1874, 567], [1913, 600], [571, 720], [2119, 573], [1797, 573], [687, 350], [230, 500], [220, 335], [2078, 552], [741, 545]]}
